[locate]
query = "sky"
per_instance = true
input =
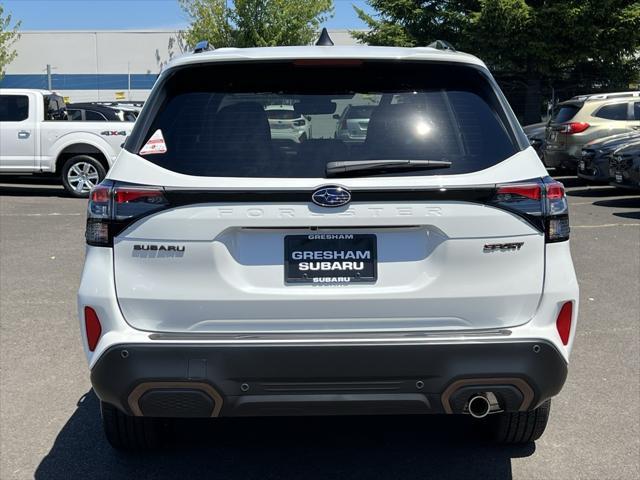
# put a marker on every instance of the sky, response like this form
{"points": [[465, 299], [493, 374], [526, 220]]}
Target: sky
{"points": [[131, 14]]}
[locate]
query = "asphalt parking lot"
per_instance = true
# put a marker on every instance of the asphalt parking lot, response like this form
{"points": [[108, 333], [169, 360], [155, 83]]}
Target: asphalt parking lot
{"points": [[49, 420]]}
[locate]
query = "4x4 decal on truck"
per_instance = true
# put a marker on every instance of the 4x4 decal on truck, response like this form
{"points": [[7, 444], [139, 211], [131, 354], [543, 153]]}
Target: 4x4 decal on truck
{"points": [[112, 133]]}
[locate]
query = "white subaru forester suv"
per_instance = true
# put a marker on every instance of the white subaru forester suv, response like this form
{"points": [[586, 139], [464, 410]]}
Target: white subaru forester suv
{"points": [[425, 270]]}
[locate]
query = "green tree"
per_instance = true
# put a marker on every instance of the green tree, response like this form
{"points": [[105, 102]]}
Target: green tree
{"points": [[8, 35], [411, 23], [255, 23], [530, 45]]}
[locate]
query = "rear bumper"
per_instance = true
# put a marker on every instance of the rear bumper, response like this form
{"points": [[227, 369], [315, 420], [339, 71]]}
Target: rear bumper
{"points": [[559, 158], [596, 170], [594, 178], [208, 379]]}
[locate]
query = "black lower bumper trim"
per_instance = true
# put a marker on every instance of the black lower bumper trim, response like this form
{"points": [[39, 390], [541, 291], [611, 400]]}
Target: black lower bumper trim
{"points": [[245, 380]]}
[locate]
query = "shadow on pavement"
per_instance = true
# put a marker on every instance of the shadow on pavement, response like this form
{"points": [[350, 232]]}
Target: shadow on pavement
{"points": [[577, 187], [630, 202], [632, 215], [31, 186], [306, 448], [599, 191]]}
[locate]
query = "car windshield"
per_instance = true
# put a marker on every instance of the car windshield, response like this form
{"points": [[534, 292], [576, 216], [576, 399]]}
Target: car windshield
{"points": [[214, 118]]}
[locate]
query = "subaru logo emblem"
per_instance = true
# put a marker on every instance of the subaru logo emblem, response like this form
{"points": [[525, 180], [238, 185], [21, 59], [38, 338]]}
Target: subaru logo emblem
{"points": [[331, 196]]}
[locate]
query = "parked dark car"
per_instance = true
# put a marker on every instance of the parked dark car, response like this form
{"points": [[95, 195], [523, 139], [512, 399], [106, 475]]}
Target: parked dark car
{"points": [[90, 112], [594, 163], [536, 133], [624, 167]]}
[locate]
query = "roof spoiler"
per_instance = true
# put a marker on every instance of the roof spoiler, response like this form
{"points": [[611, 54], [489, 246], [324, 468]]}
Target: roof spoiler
{"points": [[606, 96], [441, 45]]}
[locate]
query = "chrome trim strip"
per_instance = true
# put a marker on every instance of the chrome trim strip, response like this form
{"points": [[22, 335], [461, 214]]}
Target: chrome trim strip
{"points": [[328, 337]]}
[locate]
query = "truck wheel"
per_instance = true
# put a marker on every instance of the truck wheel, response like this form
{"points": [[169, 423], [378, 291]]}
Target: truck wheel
{"points": [[125, 432], [80, 174], [520, 427]]}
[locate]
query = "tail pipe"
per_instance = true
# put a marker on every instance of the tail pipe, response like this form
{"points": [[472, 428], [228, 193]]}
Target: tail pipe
{"points": [[480, 397], [479, 406]]}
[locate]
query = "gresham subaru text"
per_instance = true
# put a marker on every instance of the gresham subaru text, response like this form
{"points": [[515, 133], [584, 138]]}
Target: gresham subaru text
{"points": [[419, 267]]}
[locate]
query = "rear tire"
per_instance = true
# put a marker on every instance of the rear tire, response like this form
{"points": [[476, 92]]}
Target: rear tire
{"points": [[520, 427], [125, 432], [80, 174]]}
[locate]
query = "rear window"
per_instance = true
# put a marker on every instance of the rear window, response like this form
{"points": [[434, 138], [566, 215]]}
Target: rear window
{"points": [[74, 115], [282, 114], [359, 112], [92, 116], [14, 108], [617, 111], [214, 120], [565, 113]]}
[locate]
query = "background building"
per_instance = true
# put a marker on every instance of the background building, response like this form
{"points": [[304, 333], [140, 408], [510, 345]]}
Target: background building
{"points": [[103, 65]]}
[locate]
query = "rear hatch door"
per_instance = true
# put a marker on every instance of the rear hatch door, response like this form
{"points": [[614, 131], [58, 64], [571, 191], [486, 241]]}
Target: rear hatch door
{"points": [[246, 238]]}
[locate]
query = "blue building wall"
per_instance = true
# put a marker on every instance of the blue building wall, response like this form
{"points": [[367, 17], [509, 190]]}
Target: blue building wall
{"points": [[80, 81]]}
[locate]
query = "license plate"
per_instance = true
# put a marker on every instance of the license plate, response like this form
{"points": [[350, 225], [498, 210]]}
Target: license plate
{"points": [[619, 177], [581, 165], [327, 258]]}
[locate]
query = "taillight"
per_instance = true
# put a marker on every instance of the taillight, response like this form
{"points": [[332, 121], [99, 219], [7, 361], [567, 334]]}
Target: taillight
{"points": [[515, 192], [130, 203], [92, 327], [563, 322], [113, 207], [541, 203], [574, 127], [556, 212]]}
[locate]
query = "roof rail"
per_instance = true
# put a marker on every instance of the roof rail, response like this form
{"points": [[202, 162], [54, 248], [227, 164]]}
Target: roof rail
{"points": [[441, 45], [202, 46], [325, 39], [606, 96]]}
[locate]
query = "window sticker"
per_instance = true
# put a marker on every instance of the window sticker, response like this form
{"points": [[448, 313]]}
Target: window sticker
{"points": [[154, 145]]}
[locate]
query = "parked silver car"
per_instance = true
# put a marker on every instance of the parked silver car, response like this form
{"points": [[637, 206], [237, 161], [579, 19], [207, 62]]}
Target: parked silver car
{"points": [[353, 123]]}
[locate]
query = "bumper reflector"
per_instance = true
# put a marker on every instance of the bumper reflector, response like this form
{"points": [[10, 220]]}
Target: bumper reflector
{"points": [[92, 327], [563, 322]]}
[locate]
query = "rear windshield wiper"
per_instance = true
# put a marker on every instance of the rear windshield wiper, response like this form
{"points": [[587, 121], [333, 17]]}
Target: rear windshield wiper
{"points": [[364, 166]]}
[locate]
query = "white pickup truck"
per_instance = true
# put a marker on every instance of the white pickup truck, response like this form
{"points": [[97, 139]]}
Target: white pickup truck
{"points": [[36, 138]]}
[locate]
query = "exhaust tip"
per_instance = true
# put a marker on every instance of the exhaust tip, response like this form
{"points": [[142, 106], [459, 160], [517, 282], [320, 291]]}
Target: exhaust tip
{"points": [[479, 406]]}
